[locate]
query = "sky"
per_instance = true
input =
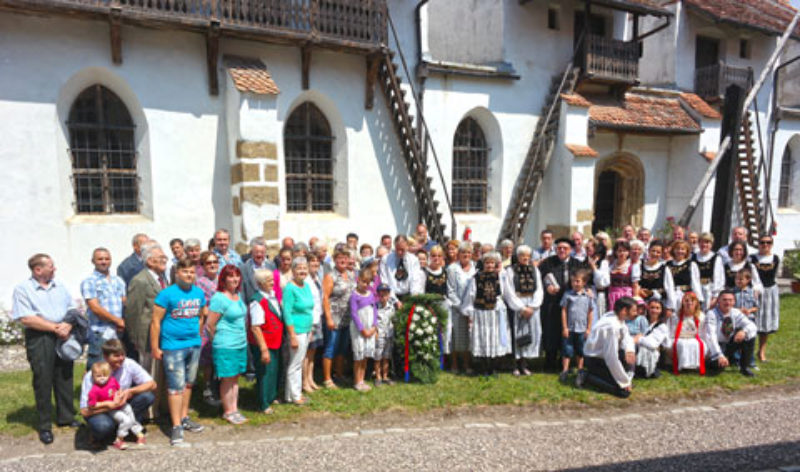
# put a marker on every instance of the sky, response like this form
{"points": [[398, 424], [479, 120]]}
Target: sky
{"points": [[796, 3]]}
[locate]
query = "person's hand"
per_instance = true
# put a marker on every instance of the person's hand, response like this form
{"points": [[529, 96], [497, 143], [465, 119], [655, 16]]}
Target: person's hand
{"points": [[293, 342], [527, 312], [723, 361], [630, 358], [265, 359], [122, 397], [62, 330], [398, 305], [157, 354], [366, 332], [565, 333], [628, 388], [590, 292], [738, 337], [636, 338], [551, 289], [330, 324], [120, 324]]}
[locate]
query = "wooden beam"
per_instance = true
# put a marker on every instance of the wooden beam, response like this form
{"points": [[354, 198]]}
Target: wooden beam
{"points": [[305, 58], [212, 57], [373, 64], [115, 23]]}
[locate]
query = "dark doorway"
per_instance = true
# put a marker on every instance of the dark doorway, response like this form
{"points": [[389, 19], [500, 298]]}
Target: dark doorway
{"points": [[706, 52], [604, 201], [597, 25]]}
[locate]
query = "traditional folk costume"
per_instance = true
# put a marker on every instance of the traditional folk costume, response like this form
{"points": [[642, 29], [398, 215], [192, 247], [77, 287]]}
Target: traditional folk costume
{"points": [[686, 277], [622, 280], [689, 336], [457, 281], [768, 317], [483, 304], [522, 288], [435, 282], [730, 269], [656, 282], [598, 284], [710, 267], [649, 348]]}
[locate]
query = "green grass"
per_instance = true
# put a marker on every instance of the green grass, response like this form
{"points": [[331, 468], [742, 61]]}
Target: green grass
{"points": [[18, 416]]}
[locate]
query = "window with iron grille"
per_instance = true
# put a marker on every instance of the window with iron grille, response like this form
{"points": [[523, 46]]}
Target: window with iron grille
{"points": [[785, 191], [308, 148], [103, 153], [470, 168]]}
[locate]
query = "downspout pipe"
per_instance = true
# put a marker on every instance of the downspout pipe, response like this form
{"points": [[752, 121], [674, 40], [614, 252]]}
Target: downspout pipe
{"points": [[420, 76]]}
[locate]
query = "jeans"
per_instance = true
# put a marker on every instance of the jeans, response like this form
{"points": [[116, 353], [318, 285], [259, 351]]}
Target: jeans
{"points": [[337, 342], [573, 345], [180, 368], [103, 426]]}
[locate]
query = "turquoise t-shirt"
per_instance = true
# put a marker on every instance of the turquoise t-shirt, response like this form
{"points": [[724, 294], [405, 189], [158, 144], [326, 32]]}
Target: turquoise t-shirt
{"points": [[231, 331], [180, 327], [298, 307]]}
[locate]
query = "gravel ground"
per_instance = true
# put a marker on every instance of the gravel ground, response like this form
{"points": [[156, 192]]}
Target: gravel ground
{"points": [[753, 430]]}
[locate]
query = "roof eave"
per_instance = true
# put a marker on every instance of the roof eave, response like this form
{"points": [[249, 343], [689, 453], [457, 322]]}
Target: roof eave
{"points": [[632, 7]]}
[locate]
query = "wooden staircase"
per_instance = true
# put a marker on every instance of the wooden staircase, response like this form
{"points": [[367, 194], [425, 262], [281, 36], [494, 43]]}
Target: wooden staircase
{"points": [[748, 179], [399, 110], [530, 178]]}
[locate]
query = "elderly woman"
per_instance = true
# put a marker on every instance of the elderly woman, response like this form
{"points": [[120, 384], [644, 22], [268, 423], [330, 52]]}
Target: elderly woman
{"points": [[315, 337], [265, 338], [336, 289], [506, 248], [459, 275], [226, 328], [193, 250], [208, 284], [522, 292], [298, 317]]}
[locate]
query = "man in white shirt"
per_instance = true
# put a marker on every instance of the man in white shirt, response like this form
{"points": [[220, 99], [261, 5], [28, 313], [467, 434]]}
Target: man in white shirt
{"points": [[610, 353], [399, 269], [730, 331]]}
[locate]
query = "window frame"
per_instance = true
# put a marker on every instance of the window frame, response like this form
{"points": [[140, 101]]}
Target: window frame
{"points": [[103, 154], [471, 157], [785, 183], [310, 179]]}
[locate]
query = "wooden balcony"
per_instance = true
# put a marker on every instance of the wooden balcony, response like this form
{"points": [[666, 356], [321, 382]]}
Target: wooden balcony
{"points": [[610, 60], [353, 25], [711, 81]]}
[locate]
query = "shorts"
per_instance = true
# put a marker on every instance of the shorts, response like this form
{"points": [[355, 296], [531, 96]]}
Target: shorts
{"points": [[572, 345], [229, 362], [180, 368], [337, 342]]}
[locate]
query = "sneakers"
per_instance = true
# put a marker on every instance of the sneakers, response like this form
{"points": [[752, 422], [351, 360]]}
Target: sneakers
{"points": [[362, 387], [176, 436], [562, 377], [209, 398], [141, 441], [119, 444], [526, 372], [189, 425], [515, 373], [580, 380]]}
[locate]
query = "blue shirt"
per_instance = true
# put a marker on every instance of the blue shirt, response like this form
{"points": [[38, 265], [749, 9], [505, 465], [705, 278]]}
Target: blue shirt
{"points": [[109, 292], [231, 332], [638, 325], [129, 267], [578, 306], [180, 327], [230, 258], [298, 306], [50, 303]]}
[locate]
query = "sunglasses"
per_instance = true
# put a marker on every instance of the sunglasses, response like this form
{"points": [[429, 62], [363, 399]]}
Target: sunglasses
{"points": [[765, 242], [212, 262]]}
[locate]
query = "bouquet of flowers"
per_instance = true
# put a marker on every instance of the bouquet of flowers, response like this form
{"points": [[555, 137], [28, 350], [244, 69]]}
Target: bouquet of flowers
{"points": [[11, 331], [418, 327]]}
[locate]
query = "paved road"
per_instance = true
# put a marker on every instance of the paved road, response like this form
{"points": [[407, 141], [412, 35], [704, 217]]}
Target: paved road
{"points": [[745, 432]]}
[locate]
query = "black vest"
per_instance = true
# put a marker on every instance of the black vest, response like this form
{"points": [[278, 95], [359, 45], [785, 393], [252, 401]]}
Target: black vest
{"points": [[524, 280], [730, 275], [767, 272], [706, 268], [653, 279], [681, 275], [487, 288], [436, 283]]}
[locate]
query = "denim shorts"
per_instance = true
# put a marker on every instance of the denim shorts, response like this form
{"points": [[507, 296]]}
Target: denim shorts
{"points": [[337, 342], [572, 345], [180, 368]]}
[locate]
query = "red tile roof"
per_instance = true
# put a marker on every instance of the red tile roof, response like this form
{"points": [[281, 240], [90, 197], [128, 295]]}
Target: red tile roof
{"points": [[701, 106], [575, 100], [250, 75], [641, 112], [769, 16], [579, 150]]}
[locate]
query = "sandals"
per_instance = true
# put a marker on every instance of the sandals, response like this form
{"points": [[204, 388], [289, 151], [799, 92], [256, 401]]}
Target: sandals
{"points": [[362, 387], [235, 418], [330, 384], [268, 411]]}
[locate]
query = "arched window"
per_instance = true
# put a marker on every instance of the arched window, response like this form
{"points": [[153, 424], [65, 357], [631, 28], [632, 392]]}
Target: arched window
{"points": [[470, 168], [308, 145], [103, 153], [785, 190]]}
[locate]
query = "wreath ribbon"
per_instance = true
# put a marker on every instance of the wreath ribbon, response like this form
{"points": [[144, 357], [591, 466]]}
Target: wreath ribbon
{"points": [[408, 328]]}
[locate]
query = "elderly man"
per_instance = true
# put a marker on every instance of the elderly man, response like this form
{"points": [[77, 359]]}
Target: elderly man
{"points": [[399, 269], [136, 385], [222, 242], [40, 304], [423, 240], [628, 233], [257, 261], [738, 233], [134, 263], [578, 251], [104, 295], [142, 292]]}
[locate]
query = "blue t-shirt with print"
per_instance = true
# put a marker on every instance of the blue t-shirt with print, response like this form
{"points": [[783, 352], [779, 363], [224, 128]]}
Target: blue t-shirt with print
{"points": [[180, 327]]}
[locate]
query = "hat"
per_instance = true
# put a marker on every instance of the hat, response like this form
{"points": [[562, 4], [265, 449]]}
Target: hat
{"points": [[639, 300], [384, 288], [69, 349]]}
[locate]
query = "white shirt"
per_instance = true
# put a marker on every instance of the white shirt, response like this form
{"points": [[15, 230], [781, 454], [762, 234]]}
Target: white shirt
{"points": [[608, 336], [514, 301], [714, 335], [388, 269]]}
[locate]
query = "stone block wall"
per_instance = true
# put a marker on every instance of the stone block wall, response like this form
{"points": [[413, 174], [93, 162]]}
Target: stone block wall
{"points": [[256, 195]]}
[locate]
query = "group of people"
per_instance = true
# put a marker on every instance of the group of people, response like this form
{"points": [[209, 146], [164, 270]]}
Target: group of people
{"points": [[617, 308]]}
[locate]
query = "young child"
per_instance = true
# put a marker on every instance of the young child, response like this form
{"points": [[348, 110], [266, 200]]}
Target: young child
{"points": [[385, 340], [363, 328], [104, 388], [484, 306], [639, 325], [648, 347], [746, 300], [576, 321]]}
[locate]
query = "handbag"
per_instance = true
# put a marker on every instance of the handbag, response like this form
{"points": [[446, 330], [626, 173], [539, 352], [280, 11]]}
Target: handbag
{"points": [[524, 336]]}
